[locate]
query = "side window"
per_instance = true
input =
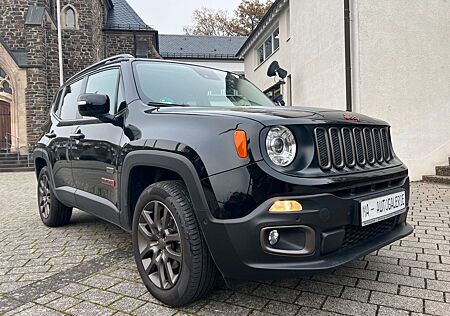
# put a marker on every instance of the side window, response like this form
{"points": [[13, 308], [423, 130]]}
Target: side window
{"points": [[69, 107], [121, 102], [56, 101], [105, 82]]}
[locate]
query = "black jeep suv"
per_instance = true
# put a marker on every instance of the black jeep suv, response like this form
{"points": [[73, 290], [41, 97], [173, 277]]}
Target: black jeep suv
{"points": [[212, 179]]}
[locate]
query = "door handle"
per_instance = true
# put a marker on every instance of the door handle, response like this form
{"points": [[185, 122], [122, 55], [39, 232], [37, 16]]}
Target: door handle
{"points": [[50, 135], [77, 136]]}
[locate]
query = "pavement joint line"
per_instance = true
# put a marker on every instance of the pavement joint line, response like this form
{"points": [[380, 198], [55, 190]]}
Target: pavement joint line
{"points": [[37, 289]]}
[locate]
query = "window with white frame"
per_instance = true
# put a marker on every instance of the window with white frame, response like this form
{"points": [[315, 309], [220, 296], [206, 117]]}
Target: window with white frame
{"points": [[69, 17], [276, 39], [288, 24], [260, 53], [270, 45]]}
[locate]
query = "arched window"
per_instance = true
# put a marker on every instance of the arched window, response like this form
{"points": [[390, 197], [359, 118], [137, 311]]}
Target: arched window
{"points": [[5, 85], [69, 17]]}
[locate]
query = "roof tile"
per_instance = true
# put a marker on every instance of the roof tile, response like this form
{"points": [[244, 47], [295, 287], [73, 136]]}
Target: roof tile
{"points": [[122, 16], [200, 46]]}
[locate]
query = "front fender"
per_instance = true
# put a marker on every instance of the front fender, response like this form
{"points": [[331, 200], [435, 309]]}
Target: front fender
{"points": [[166, 160]]}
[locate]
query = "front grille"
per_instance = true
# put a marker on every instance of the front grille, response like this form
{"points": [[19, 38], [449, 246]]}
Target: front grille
{"points": [[349, 147], [369, 146], [344, 146], [323, 148], [385, 142], [359, 144], [357, 234], [336, 148], [377, 143]]}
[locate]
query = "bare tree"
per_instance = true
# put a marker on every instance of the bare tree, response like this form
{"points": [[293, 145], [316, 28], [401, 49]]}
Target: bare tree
{"points": [[217, 22], [209, 22], [247, 16]]}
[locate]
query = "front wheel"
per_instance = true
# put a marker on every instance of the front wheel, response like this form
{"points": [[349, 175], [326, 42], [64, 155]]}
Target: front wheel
{"points": [[170, 252]]}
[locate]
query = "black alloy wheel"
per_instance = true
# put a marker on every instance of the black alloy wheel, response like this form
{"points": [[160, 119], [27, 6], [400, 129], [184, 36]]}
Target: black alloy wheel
{"points": [[53, 213], [160, 245], [44, 196], [171, 254]]}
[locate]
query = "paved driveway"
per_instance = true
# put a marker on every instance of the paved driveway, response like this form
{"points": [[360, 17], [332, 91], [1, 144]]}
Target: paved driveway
{"points": [[86, 268]]}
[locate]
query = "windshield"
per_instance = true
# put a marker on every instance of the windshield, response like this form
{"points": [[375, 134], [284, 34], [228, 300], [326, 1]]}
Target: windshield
{"points": [[166, 84]]}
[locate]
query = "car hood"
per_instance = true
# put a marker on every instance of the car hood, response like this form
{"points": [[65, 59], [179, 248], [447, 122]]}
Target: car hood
{"points": [[279, 115]]}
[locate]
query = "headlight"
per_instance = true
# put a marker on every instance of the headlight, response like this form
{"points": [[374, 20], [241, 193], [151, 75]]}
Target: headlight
{"points": [[281, 146]]}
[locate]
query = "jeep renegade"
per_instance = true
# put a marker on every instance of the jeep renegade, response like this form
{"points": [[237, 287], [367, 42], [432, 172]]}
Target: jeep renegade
{"points": [[212, 179]]}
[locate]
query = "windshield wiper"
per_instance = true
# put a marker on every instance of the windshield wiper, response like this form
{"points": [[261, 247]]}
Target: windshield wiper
{"points": [[160, 105]]}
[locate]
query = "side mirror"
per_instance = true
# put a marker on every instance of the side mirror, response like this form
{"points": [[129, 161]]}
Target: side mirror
{"points": [[275, 69], [92, 104], [279, 100]]}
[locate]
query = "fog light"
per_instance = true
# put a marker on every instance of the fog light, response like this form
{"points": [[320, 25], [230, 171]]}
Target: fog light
{"points": [[285, 206], [274, 236]]}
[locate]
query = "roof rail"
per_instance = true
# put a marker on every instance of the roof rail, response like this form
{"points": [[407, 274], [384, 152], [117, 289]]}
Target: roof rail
{"points": [[101, 63]]}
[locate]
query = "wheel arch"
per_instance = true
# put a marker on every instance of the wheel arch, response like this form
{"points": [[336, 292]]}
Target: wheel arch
{"points": [[41, 160], [173, 162]]}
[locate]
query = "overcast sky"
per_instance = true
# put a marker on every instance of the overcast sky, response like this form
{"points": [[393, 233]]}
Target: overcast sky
{"points": [[169, 16]]}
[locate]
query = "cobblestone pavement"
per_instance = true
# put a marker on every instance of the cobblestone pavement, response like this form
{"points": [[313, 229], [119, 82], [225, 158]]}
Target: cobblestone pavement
{"points": [[86, 268]]}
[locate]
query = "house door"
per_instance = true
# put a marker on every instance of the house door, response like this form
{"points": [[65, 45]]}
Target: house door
{"points": [[5, 125]]}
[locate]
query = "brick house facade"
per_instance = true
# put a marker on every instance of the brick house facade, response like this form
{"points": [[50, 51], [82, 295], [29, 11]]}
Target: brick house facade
{"points": [[29, 69]]}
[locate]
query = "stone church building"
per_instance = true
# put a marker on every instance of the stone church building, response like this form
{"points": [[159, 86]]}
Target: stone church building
{"points": [[29, 69]]}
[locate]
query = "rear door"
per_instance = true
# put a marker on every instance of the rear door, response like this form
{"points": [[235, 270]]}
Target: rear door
{"points": [[96, 150]]}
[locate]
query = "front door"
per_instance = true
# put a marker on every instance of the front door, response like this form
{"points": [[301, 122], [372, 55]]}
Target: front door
{"points": [[59, 142], [5, 125], [95, 154]]}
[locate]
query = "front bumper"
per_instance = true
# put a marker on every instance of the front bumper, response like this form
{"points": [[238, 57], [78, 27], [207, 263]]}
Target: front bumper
{"points": [[238, 247]]}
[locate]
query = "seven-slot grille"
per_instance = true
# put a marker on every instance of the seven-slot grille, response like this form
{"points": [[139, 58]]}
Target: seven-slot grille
{"points": [[350, 146]]}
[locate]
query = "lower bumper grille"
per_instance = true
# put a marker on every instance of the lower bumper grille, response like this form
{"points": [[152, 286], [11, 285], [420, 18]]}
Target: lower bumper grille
{"points": [[357, 234]]}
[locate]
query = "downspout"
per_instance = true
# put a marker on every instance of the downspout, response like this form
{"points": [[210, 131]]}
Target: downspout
{"points": [[348, 57], [60, 54]]}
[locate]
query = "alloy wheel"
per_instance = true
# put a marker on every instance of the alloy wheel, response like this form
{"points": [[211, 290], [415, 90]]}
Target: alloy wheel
{"points": [[44, 196], [160, 245]]}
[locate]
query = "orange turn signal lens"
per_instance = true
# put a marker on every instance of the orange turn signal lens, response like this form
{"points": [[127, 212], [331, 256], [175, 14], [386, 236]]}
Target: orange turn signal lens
{"points": [[240, 141], [285, 207]]}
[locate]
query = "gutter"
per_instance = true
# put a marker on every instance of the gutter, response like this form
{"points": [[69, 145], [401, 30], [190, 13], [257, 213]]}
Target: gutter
{"points": [[348, 57]]}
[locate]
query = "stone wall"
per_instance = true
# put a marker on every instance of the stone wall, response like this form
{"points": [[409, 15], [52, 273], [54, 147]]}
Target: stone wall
{"points": [[18, 36], [51, 61], [82, 46], [36, 102], [98, 12], [118, 43], [123, 42], [31, 39]]}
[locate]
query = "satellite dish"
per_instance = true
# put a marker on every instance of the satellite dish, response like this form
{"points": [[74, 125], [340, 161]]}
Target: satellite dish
{"points": [[275, 69]]}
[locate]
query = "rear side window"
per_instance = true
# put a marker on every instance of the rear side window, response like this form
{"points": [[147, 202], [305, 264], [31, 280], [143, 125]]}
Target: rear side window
{"points": [[105, 82], [57, 101], [121, 102], [69, 106]]}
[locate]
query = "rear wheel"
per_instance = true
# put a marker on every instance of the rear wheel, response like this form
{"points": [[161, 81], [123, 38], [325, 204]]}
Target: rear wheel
{"points": [[170, 252], [52, 212]]}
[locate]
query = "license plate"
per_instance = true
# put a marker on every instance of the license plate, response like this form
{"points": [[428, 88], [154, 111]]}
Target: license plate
{"points": [[383, 207]]}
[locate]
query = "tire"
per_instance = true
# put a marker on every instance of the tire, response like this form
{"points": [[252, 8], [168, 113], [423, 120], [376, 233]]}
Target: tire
{"points": [[154, 247], [52, 212]]}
